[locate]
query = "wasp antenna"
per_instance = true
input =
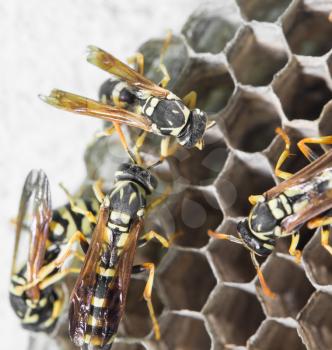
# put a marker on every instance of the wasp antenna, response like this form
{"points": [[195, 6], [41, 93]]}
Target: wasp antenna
{"points": [[210, 125], [218, 235], [155, 164], [267, 291]]}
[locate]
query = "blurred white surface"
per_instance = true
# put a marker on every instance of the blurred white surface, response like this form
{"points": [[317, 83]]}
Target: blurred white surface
{"points": [[43, 46]]}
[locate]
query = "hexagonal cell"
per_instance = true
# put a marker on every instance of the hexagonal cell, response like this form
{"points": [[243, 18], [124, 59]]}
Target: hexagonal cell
{"points": [[194, 212], [209, 77], [232, 186], [183, 332], [318, 261], [212, 26], [232, 261], [250, 114], [186, 280], [307, 28], [234, 315], [315, 321], [303, 89], [252, 57], [207, 163], [263, 10], [275, 335], [136, 321], [288, 280], [175, 59]]}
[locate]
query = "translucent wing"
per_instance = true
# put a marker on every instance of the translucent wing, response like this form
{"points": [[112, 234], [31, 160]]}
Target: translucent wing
{"points": [[303, 175], [34, 216], [80, 299], [85, 106], [317, 206], [112, 65]]}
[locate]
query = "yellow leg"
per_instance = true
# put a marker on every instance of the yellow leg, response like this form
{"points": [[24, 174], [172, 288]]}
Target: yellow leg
{"points": [[147, 296], [157, 201], [254, 199], [97, 190], [325, 223], [153, 234], [307, 151], [57, 263], [284, 155], [138, 144], [190, 99], [138, 61], [325, 234], [107, 132], [292, 249], [76, 209], [58, 277], [267, 291], [165, 149], [166, 77]]}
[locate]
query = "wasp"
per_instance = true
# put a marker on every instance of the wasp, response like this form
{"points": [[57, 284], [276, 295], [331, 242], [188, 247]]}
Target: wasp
{"points": [[135, 100], [43, 241], [98, 299], [303, 198]]}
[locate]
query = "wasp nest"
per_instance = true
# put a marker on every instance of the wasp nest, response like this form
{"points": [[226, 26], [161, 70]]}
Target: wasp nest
{"points": [[255, 65]]}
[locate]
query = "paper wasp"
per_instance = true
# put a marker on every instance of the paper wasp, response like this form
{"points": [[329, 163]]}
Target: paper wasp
{"points": [[98, 299], [303, 198], [137, 101], [42, 242]]}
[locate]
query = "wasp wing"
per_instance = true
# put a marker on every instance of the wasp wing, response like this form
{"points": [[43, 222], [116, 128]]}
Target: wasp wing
{"points": [[317, 205], [112, 65], [85, 106], [83, 291], [34, 216], [303, 175]]}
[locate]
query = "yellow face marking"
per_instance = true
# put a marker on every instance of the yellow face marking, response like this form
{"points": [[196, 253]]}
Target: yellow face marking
{"points": [[28, 319], [56, 228]]}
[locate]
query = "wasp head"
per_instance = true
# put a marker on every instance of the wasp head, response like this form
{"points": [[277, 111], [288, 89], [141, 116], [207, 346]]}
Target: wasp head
{"points": [[136, 173], [250, 241], [193, 132]]}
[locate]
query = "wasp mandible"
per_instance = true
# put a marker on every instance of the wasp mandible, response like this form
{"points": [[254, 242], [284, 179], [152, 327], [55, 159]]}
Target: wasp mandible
{"points": [[303, 198]]}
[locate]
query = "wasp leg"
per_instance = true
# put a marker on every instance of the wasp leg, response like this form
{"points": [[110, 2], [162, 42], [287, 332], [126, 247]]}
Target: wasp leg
{"points": [[267, 291], [148, 292], [165, 149], [153, 234], [76, 209], [138, 144], [138, 61], [46, 270], [325, 223], [284, 155], [166, 77], [292, 248], [254, 199], [98, 191], [107, 132], [190, 99], [307, 151], [58, 277], [157, 201]]}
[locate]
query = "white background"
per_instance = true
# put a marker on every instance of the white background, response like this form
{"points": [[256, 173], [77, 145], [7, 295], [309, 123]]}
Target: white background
{"points": [[42, 45]]}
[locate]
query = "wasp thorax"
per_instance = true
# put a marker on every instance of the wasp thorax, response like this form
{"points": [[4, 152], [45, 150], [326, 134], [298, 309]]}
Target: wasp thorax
{"points": [[193, 132], [136, 173], [251, 241]]}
